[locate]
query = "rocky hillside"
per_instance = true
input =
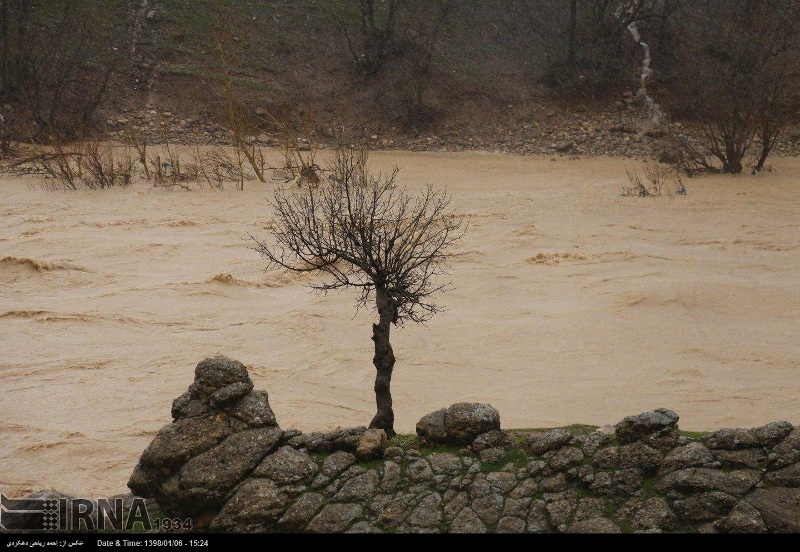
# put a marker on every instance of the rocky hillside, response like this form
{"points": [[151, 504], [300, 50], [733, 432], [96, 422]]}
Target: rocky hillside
{"points": [[225, 463]]}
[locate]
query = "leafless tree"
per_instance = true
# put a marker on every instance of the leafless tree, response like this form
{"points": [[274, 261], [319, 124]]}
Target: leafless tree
{"points": [[55, 67], [364, 232], [740, 78], [376, 34]]}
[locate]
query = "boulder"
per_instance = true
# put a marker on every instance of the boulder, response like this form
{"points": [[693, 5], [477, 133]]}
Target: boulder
{"points": [[464, 422], [371, 444], [331, 441], [490, 439], [746, 458], [540, 442], [771, 434], [216, 373], [253, 409], [731, 439], [691, 480], [337, 462], [779, 508], [431, 427], [565, 458], [335, 518], [704, 506], [785, 477], [787, 451], [639, 456], [744, 518], [256, 505], [287, 465], [222, 467], [655, 514], [634, 428], [176, 443], [688, 456], [300, 513]]}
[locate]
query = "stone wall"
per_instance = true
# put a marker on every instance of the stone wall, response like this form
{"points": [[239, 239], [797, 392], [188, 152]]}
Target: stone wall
{"points": [[224, 462]]}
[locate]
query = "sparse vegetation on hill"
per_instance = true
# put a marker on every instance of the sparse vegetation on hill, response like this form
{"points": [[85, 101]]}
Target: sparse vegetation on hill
{"points": [[526, 76]]}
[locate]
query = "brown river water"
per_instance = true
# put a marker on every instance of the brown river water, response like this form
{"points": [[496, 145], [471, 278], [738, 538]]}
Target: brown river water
{"points": [[571, 304]]}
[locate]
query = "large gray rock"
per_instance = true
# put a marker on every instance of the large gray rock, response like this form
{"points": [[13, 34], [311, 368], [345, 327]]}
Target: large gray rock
{"points": [[785, 477], [338, 440], [488, 508], [705, 506], [253, 409], [634, 428], [743, 519], [445, 464], [538, 519], [467, 522], [300, 513], [771, 434], [745, 458], [731, 439], [256, 505], [359, 488], [335, 518], [655, 514], [639, 456], [463, 422], [607, 458], [371, 445], [565, 458], [427, 513], [337, 462], [217, 373], [688, 456], [589, 443], [431, 427], [287, 465], [740, 438], [787, 451], [490, 439], [511, 525], [539, 442], [222, 467], [736, 482], [779, 507], [178, 442]]}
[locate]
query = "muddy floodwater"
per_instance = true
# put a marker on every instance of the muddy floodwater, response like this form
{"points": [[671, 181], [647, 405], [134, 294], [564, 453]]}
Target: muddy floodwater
{"points": [[570, 304]]}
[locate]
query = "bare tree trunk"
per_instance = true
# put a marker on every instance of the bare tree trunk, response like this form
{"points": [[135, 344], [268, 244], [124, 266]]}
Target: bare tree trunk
{"points": [[4, 46], [572, 56], [384, 363]]}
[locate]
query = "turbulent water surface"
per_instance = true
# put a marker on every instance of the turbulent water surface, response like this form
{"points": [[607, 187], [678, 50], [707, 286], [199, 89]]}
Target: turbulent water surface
{"points": [[570, 304]]}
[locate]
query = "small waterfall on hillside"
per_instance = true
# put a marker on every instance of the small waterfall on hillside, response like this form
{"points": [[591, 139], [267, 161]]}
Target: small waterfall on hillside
{"points": [[654, 111]]}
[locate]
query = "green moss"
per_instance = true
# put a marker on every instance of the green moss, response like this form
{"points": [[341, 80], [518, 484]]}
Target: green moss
{"points": [[695, 435], [427, 451], [319, 457], [516, 457], [649, 487], [371, 464], [403, 441]]}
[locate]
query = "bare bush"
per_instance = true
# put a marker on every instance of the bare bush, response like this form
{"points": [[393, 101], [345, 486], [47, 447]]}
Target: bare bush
{"points": [[654, 180], [376, 41], [54, 67], [596, 52], [740, 80], [364, 232], [91, 164]]}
